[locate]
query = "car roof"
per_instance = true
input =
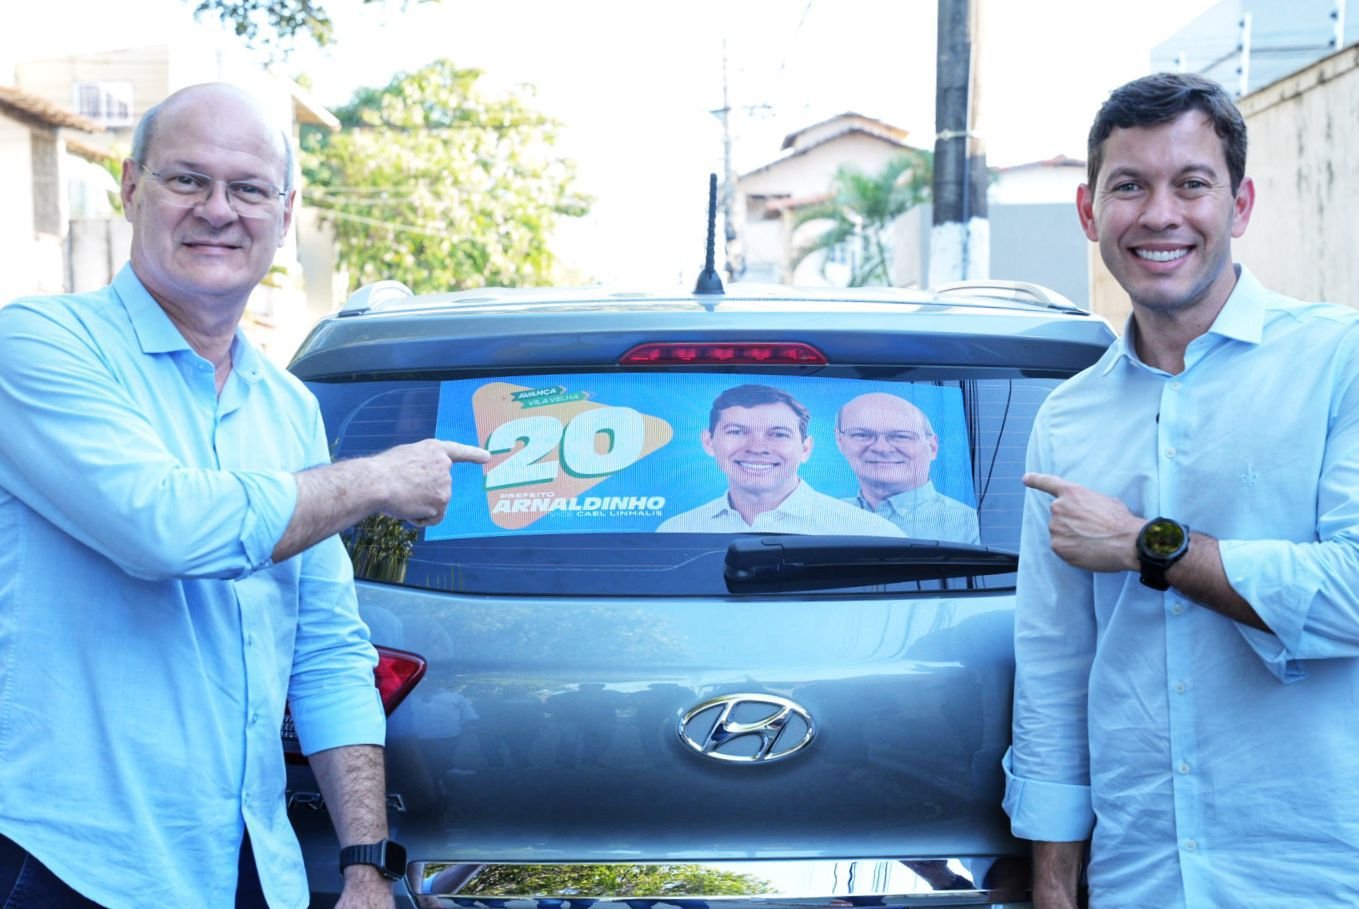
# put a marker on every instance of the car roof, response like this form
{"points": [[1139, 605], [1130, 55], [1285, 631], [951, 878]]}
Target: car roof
{"points": [[385, 328]]}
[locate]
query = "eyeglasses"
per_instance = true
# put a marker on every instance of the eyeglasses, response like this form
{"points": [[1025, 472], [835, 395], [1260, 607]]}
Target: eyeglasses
{"points": [[897, 437], [248, 198]]}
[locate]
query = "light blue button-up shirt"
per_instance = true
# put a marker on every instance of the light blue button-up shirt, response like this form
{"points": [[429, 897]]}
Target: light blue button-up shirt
{"points": [[1217, 764], [803, 511], [147, 642], [925, 513]]}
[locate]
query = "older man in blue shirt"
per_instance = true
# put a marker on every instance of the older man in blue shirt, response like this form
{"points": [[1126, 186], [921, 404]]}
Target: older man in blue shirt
{"points": [[170, 575], [1187, 627]]}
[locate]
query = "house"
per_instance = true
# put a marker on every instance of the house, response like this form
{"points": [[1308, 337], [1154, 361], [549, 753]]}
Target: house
{"points": [[112, 89], [1034, 233], [35, 170], [769, 198]]}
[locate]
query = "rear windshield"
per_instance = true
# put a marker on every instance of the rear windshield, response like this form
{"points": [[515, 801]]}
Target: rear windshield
{"points": [[634, 483]]}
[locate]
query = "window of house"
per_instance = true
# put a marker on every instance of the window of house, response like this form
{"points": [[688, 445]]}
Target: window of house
{"points": [[46, 188], [109, 103]]}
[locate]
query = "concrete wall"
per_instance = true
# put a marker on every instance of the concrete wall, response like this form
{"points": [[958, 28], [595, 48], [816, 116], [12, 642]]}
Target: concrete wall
{"points": [[1304, 131], [1042, 244]]}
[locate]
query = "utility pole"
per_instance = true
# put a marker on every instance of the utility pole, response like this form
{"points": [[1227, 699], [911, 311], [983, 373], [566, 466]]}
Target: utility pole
{"points": [[735, 262], [960, 237]]}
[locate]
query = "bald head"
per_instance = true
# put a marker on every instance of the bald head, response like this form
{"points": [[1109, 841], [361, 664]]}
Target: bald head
{"points": [[222, 100], [888, 443]]}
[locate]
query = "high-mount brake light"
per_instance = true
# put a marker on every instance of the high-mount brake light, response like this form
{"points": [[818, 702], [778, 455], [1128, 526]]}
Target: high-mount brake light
{"points": [[709, 353]]}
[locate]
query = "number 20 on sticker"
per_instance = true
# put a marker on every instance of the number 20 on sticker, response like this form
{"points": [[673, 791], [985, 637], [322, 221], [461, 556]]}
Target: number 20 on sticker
{"points": [[577, 439]]}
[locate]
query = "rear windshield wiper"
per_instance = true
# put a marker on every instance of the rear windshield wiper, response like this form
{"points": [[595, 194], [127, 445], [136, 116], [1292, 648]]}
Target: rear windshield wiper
{"points": [[757, 564]]}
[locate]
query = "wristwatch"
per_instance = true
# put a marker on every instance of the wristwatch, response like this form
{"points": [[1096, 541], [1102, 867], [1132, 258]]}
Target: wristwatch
{"points": [[1161, 543], [387, 856]]}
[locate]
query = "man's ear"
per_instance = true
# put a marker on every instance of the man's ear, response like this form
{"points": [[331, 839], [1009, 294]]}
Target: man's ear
{"points": [[706, 438], [1242, 206], [1085, 210], [287, 215], [806, 448], [132, 175]]}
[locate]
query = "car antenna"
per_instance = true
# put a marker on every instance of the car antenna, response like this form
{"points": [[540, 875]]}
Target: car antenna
{"points": [[709, 282]]}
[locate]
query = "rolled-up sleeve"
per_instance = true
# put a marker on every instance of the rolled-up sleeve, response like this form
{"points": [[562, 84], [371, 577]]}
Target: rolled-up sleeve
{"points": [[1307, 590], [331, 691]]}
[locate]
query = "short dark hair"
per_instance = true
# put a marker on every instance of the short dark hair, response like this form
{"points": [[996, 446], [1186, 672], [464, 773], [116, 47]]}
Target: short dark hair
{"points": [[1162, 97], [754, 396]]}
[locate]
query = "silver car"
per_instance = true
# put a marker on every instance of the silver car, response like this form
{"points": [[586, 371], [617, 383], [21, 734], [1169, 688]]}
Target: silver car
{"points": [[726, 619]]}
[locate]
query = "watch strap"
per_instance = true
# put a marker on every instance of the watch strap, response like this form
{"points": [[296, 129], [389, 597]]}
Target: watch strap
{"points": [[388, 857]]}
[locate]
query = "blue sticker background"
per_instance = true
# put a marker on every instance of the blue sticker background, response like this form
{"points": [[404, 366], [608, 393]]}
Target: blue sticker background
{"points": [[681, 472]]}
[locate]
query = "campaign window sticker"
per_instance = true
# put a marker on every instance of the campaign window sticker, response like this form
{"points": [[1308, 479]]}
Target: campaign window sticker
{"points": [[686, 452]]}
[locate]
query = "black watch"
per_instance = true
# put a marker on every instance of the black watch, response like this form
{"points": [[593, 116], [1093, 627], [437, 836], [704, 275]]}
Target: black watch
{"points": [[387, 856], [1161, 543]]}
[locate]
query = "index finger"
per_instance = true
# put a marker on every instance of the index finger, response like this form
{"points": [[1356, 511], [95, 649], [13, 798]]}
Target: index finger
{"points": [[1052, 484], [457, 451]]}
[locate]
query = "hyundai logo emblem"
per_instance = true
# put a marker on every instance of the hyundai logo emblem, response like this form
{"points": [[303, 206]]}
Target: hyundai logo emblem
{"points": [[747, 728]]}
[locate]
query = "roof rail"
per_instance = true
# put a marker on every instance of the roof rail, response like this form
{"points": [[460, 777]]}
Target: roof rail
{"points": [[373, 295], [1009, 290]]}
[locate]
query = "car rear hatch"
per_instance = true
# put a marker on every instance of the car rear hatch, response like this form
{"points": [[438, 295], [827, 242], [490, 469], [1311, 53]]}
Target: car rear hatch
{"points": [[610, 713]]}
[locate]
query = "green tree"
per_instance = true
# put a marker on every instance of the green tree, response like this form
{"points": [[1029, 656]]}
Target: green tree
{"points": [[612, 880], [433, 183], [861, 209], [274, 23]]}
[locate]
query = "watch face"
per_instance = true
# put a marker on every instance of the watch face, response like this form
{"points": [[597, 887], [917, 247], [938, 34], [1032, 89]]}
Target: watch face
{"points": [[1163, 538]]}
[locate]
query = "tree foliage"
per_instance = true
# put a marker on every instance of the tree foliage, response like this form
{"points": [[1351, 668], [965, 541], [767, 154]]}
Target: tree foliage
{"points": [[613, 880], [262, 22], [274, 23], [860, 211], [433, 183]]}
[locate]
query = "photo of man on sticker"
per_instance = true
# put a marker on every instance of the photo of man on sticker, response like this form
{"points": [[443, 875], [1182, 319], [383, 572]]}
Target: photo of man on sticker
{"points": [[889, 444], [758, 437]]}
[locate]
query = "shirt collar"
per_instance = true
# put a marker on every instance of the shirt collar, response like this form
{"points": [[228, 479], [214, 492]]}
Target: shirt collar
{"points": [[1242, 318], [157, 334]]}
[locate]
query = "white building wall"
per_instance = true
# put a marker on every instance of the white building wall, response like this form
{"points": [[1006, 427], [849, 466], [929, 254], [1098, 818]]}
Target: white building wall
{"points": [[30, 262]]}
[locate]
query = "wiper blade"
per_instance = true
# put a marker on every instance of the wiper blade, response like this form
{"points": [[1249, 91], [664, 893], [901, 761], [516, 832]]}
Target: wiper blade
{"points": [[757, 564]]}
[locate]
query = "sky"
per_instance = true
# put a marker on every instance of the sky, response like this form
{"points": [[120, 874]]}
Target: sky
{"points": [[635, 82]]}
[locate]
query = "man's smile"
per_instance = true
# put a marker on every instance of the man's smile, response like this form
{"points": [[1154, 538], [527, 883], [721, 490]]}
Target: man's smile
{"points": [[755, 466], [1161, 255]]}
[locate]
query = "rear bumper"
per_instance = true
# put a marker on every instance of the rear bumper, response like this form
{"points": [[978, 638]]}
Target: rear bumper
{"points": [[794, 884]]}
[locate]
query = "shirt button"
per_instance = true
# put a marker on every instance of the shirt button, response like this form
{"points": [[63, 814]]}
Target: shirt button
{"points": [[1170, 452], [1174, 386], [1184, 767], [1191, 845], [1179, 687], [1177, 608]]}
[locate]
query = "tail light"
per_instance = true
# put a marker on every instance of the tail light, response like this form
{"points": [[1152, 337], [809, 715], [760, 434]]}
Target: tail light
{"points": [[396, 674], [706, 353]]}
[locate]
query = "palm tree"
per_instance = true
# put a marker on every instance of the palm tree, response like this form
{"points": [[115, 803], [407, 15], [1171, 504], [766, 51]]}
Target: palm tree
{"points": [[862, 207]]}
